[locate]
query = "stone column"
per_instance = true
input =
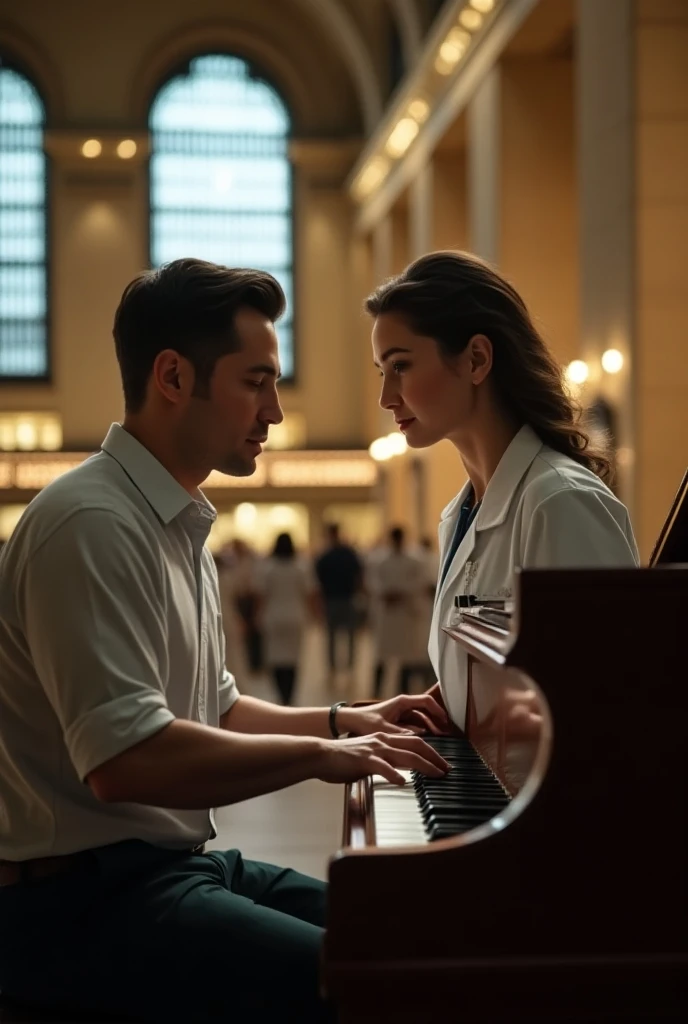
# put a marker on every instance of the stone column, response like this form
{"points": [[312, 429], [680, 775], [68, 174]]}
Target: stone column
{"points": [[484, 183], [606, 163], [99, 212]]}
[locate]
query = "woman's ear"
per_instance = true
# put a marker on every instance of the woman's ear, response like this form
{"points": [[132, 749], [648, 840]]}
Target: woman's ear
{"points": [[480, 356]]}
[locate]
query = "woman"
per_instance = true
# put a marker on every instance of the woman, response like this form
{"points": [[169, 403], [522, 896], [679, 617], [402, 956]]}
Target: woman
{"points": [[287, 593], [461, 359]]}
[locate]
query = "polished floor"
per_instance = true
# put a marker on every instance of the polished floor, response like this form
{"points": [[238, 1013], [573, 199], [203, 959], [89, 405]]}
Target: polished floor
{"points": [[300, 826]]}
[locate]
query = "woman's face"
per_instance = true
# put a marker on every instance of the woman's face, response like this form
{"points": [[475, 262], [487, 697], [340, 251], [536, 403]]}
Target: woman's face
{"points": [[429, 397]]}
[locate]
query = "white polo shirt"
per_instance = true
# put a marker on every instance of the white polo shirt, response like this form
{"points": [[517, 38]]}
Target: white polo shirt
{"points": [[110, 628]]}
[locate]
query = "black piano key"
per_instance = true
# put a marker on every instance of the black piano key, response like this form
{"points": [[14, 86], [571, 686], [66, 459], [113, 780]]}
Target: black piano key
{"points": [[468, 796]]}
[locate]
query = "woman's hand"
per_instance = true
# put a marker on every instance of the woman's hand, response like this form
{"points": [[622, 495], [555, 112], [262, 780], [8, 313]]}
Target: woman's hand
{"points": [[407, 713], [377, 754]]}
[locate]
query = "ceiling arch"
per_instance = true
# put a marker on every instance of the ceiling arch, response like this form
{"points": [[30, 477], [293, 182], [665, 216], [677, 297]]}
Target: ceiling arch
{"points": [[169, 53], [345, 33], [32, 59]]}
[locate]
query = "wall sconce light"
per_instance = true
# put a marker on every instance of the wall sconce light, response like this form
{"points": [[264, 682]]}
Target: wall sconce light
{"points": [[577, 372], [126, 149], [612, 360], [91, 148]]}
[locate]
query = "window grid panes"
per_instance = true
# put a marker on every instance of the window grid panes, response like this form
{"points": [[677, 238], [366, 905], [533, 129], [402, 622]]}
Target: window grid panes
{"points": [[220, 178], [23, 276]]}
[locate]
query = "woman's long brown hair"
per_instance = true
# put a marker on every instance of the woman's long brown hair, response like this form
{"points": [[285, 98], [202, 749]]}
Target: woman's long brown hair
{"points": [[451, 297]]}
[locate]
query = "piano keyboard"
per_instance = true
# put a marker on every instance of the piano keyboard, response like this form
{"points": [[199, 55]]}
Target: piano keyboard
{"points": [[427, 809]]}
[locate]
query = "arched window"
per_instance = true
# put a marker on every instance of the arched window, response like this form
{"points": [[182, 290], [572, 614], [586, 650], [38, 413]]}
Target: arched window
{"points": [[220, 178], [23, 271]]}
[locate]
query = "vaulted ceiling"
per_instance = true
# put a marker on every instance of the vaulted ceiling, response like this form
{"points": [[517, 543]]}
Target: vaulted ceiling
{"points": [[335, 61]]}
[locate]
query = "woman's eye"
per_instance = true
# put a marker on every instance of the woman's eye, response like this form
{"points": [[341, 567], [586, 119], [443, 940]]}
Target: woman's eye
{"points": [[400, 367]]}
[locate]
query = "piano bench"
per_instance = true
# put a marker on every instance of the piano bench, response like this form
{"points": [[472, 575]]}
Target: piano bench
{"points": [[13, 1012]]}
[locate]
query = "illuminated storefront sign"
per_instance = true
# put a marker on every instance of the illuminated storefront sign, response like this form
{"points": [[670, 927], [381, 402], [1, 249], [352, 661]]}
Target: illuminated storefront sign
{"points": [[297, 469]]}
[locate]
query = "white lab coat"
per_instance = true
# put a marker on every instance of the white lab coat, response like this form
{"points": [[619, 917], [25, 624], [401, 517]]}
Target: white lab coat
{"points": [[396, 628], [285, 585], [541, 509]]}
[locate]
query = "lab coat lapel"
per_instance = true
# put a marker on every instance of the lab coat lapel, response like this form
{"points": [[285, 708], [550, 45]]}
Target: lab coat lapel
{"points": [[493, 511]]}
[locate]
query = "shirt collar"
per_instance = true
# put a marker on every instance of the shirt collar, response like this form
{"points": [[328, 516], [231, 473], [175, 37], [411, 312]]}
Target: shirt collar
{"points": [[164, 494], [513, 466]]}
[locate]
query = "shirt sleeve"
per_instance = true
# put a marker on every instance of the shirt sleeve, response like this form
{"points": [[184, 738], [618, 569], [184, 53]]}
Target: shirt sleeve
{"points": [[228, 692], [94, 623], [579, 529]]}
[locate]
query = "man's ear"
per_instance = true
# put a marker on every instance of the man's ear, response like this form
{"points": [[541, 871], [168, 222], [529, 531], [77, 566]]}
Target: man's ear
{"points": [[172, 375], [480, 356]]}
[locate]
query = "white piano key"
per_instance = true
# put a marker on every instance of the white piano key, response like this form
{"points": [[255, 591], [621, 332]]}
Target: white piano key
{"points": [[398, 821]]}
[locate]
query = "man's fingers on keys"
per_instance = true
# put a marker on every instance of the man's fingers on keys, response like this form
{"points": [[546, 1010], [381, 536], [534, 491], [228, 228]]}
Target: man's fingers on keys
{"points": [[420, 723], [419, 748], [378, 766], [427, 705]]}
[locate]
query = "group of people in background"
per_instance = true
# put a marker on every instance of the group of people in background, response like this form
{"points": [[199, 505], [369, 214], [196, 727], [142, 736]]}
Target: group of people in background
{"points": [[268, 602]]}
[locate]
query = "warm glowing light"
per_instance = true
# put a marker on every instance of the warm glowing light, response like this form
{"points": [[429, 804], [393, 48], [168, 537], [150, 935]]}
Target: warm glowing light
{"points": [[380, 449], [401, 138], [282, 516], [245, 515], [577, 372], [452, 50], [397, 443], [34, 475], [612, 360], [471, 19], [419, 110], [91, 148], [306, 472], [484, 6], [27, 435], [8, 438], [372, 176], [126, 149], [51, 436], [384, 448]]}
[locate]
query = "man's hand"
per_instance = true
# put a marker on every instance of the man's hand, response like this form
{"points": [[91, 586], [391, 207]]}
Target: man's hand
{"points": [[406, 713], [378, 754]]}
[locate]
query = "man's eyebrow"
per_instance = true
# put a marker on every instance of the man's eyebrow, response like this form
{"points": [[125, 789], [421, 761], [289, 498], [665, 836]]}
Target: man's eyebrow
{"points": [[390, 352], [265, 368]]}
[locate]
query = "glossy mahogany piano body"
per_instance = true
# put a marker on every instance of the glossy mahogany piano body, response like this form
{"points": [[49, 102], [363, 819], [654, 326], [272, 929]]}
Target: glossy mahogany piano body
{"points": [[575, 909]]}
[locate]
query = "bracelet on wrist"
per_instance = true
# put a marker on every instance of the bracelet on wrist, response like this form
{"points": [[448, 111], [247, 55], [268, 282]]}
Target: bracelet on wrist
{"points": [[333, 717]]}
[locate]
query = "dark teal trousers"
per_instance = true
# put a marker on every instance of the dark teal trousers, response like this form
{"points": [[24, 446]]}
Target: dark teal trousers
{"points": [[149, 935]]}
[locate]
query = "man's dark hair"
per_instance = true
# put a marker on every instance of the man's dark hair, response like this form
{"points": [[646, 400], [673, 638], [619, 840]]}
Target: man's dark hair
{"points": [[189, 306]]}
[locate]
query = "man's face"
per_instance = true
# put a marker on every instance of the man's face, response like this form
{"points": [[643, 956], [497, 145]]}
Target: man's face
{"points": [[226, 430]]}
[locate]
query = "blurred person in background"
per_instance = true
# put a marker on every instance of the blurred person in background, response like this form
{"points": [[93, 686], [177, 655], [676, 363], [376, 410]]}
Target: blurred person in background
{"points": [[340, 573], [397, 583], [287, 596], [242, 566], [233, 624]]}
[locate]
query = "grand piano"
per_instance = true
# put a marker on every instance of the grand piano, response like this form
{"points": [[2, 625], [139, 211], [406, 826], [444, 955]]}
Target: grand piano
{"points": [[544, 879]]}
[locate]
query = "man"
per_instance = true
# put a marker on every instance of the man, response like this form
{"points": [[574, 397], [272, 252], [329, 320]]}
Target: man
{"points": [[120, 728], [339, 573]]}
